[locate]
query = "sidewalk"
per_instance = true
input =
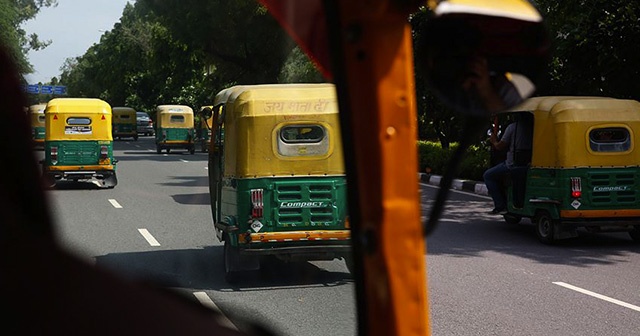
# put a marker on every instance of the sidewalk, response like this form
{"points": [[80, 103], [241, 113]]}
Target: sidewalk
{"points": [[457, 184]]}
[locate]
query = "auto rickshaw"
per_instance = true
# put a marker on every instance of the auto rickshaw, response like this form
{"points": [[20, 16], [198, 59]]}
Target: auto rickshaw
{"points": [[37, 124], [584, 170], [203, 130], [277, 178], [174, 128], [124, 123], [78, 143]]}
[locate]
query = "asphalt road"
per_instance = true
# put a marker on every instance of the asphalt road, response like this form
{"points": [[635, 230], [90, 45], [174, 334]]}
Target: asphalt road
{"points": [[485, 277]]}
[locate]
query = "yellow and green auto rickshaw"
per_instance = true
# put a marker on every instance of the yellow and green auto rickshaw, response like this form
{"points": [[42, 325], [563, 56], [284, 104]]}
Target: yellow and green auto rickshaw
{"points": [[78, 143], [124, 123], [174, 128], [203, 129], [36, 113], [584, 170], [277, 179]]}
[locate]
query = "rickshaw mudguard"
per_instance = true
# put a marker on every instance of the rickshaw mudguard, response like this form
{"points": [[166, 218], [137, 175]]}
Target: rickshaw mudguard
{"points": [[242, 262], [227, 227]]}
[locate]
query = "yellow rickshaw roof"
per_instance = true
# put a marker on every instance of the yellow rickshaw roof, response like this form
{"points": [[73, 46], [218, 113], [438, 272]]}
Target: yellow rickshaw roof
{"points": [[281, 93], [37, 108], [174, 109], [547, 103], [84, 105], [224, 95], [121, 109]]}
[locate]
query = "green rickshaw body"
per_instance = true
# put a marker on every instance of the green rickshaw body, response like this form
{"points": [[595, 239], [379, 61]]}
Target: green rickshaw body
{"points": [[78, 143], [37, 118], [277, 178], [174, 128], [585, 168], [124, 123]]}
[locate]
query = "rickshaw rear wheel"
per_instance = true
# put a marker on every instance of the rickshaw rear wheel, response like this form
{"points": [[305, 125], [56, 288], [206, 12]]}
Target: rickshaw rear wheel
{"points": [[192, 150], [168, 150], [230, 256], [545, 227], [512, 219], [110, 180], [635, 233], [49, 181]]}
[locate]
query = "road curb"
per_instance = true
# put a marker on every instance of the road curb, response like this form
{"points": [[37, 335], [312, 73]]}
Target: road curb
{"points": [[465, 185]]}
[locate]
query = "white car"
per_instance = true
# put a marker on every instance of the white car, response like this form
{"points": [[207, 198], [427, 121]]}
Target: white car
{"points": [[144, 123]]}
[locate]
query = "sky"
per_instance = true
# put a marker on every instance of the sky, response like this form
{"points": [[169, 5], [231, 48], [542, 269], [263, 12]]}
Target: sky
{"points": [[73, 26]]}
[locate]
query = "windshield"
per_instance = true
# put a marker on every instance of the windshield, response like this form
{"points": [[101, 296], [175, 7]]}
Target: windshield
{"points": [[252, 217]]}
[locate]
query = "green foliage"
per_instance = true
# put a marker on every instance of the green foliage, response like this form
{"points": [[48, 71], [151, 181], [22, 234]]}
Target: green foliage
{"points": [[12, 14], [298, 68], [595, 47], [432, 158], [184, 52]]}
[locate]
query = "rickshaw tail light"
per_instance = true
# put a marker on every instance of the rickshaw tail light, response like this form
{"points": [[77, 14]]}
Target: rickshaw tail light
{"points": [[54, 155], [257, 203], [576, 187], [104, 152]]}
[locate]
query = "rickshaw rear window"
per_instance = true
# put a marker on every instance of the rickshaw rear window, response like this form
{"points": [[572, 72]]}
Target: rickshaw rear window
{"points": [[41, 118], [612, 139], [124, 116], [176, 119], [302, 134], [78, 121]]}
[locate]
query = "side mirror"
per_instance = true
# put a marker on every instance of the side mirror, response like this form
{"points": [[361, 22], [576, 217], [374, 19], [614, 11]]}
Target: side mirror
{"points": [[206, 112], [482, 57]]}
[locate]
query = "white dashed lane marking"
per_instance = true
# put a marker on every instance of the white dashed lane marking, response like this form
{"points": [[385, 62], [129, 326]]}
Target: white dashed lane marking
{"points": [[206, 301], [598, 296], [150, 239], [115, 203]]}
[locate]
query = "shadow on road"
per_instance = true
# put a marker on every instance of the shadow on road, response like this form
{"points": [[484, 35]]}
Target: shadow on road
{"points": [[145, 155], [79, 185], [466, 231], [192, 199], [202, 269], [187, 181]]}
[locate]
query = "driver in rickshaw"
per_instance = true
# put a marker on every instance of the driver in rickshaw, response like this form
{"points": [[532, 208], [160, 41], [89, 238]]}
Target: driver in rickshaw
{"points": [[517, 140]]}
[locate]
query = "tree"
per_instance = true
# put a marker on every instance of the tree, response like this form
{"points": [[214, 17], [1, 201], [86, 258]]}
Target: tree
{"points": [[435, 121], [595, 47], [239, 37], [12, 14]]}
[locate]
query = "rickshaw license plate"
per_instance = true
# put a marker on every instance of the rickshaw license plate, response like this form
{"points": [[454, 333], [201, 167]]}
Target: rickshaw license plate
{"points": [[77, 130]]}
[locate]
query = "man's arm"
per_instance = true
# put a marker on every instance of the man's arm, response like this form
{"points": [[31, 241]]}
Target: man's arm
{"points": [[506, 139]]}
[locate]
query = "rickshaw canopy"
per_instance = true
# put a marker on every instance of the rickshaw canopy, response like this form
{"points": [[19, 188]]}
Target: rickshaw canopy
{"points": [[78, 119], [37, 114], [256, 119], [124, 115], [564, 129], [174, 116]]}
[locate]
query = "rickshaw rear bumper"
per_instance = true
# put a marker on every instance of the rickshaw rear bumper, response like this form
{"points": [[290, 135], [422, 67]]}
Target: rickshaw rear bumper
{"points": [[299, 245], [601, 218], [71, 174], [175, 144]]}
